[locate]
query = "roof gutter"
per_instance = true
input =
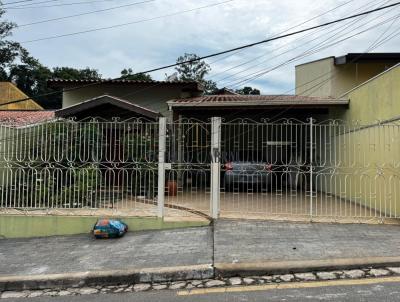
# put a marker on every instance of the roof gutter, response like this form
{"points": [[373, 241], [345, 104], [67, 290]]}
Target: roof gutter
{"points": [[174, 104]]}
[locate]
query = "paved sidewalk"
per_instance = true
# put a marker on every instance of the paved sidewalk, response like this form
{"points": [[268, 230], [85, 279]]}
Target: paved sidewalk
{"points": [[239, 242], [236, 243], [149, 249]]}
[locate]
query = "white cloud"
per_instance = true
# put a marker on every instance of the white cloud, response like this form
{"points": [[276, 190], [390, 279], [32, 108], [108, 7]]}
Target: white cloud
{"points": [[159, 42]]}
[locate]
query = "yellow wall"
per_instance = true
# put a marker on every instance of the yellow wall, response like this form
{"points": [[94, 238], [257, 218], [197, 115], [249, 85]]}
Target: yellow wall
{"points": [[364, 168], [378, 99], [9, 92], [366, 154], [24, 226], [349, 76], [325, 79]]}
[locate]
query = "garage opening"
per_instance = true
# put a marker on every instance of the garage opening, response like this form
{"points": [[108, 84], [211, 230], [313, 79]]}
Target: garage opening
{"points": [[288, 169]]}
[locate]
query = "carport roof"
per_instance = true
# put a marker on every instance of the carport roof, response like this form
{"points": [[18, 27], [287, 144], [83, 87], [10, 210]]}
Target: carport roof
{"points": [[256, 101]]}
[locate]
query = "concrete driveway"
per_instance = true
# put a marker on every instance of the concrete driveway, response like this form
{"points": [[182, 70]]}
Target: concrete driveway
{"points": [[280, 205]]}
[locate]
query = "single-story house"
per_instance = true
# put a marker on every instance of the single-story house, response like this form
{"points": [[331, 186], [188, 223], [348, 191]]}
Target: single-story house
{"points": [[353, 87]]}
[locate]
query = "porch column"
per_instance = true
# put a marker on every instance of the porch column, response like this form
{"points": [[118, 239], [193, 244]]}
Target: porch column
{"points": [[215, 166], [162, 133]]}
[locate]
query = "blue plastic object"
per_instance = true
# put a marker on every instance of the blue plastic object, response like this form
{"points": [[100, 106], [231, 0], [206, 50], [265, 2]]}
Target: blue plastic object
{"points": [[109, 228]]}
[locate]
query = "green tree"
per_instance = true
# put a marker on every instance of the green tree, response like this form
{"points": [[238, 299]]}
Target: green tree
{"points": [[69, 73], [31, 77], [195, 70], [18, 66], [9, 50], [128, 74], [248, 91]]}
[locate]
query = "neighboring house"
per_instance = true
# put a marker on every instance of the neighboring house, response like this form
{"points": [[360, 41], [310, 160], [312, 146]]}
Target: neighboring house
{"points": [[152, 95], [334, 76], [9, 92]]}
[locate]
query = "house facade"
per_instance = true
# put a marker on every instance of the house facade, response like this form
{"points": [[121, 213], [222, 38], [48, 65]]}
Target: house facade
{"points": [[370, 83], [152, 95], [308, 164], [335, 76]]}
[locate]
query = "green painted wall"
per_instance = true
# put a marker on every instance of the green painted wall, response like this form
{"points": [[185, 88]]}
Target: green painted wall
{"points": [[18, 226]]}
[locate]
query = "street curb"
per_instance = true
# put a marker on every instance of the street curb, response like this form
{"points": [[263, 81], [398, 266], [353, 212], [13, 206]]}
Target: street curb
{"points": [[286, 267], [81, 279]]}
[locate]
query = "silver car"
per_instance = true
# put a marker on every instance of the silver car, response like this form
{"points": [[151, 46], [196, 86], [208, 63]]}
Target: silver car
{"points": [[245, 173]]}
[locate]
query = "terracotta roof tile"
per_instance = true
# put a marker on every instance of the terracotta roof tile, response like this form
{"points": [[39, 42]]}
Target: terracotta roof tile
{"points": [[24, 118], [67, 81], [254, 100]]}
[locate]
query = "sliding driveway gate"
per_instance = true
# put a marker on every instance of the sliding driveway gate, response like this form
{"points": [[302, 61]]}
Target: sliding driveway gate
{"points": [[285, 169], [238, 169]]}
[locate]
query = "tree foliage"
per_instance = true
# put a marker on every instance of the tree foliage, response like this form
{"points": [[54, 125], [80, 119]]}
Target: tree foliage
{"points": [[69, 73], [195, 70], [9, 50], [19, 67], [31, 77], [248, 91], [128, 74]]}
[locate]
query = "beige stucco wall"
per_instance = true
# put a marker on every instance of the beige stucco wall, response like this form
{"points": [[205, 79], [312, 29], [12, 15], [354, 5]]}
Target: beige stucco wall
{"points": [[313, 78], [151, 96]]}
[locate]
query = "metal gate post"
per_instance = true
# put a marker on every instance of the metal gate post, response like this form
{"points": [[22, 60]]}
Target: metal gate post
{"points": [[311, 167], [162, 133], [215, 166]]}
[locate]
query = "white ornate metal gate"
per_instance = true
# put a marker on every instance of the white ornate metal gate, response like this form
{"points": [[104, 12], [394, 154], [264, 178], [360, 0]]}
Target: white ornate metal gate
{"points": [[286, 169]]}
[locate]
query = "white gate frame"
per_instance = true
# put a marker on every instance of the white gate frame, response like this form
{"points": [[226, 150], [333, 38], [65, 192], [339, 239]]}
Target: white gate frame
{"points": [[162, 133], [311, 166], [215, 166]]}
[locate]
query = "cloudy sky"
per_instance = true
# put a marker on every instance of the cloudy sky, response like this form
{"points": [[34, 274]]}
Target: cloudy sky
{"points": [[161, 30]]}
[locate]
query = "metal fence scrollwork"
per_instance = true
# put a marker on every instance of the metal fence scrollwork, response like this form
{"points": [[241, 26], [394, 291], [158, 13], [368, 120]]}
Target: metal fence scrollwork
{"points": [[87, 164], [303, 169]]}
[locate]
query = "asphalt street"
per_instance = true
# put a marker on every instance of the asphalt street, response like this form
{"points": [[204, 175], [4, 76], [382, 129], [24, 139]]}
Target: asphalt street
{"points": [[379, 291]]}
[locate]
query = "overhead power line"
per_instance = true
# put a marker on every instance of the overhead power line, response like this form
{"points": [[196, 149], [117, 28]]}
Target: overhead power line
{"points": [[22, 1], [218, 53], [128, 23], [34, 5], [301, 40], [320, 46], [86, 13], [30, 4], [280, 33], [226, 51]]}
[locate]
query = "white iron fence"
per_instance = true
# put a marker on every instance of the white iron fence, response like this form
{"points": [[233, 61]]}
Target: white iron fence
{"points": [[91, 164], [240, 168]]}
